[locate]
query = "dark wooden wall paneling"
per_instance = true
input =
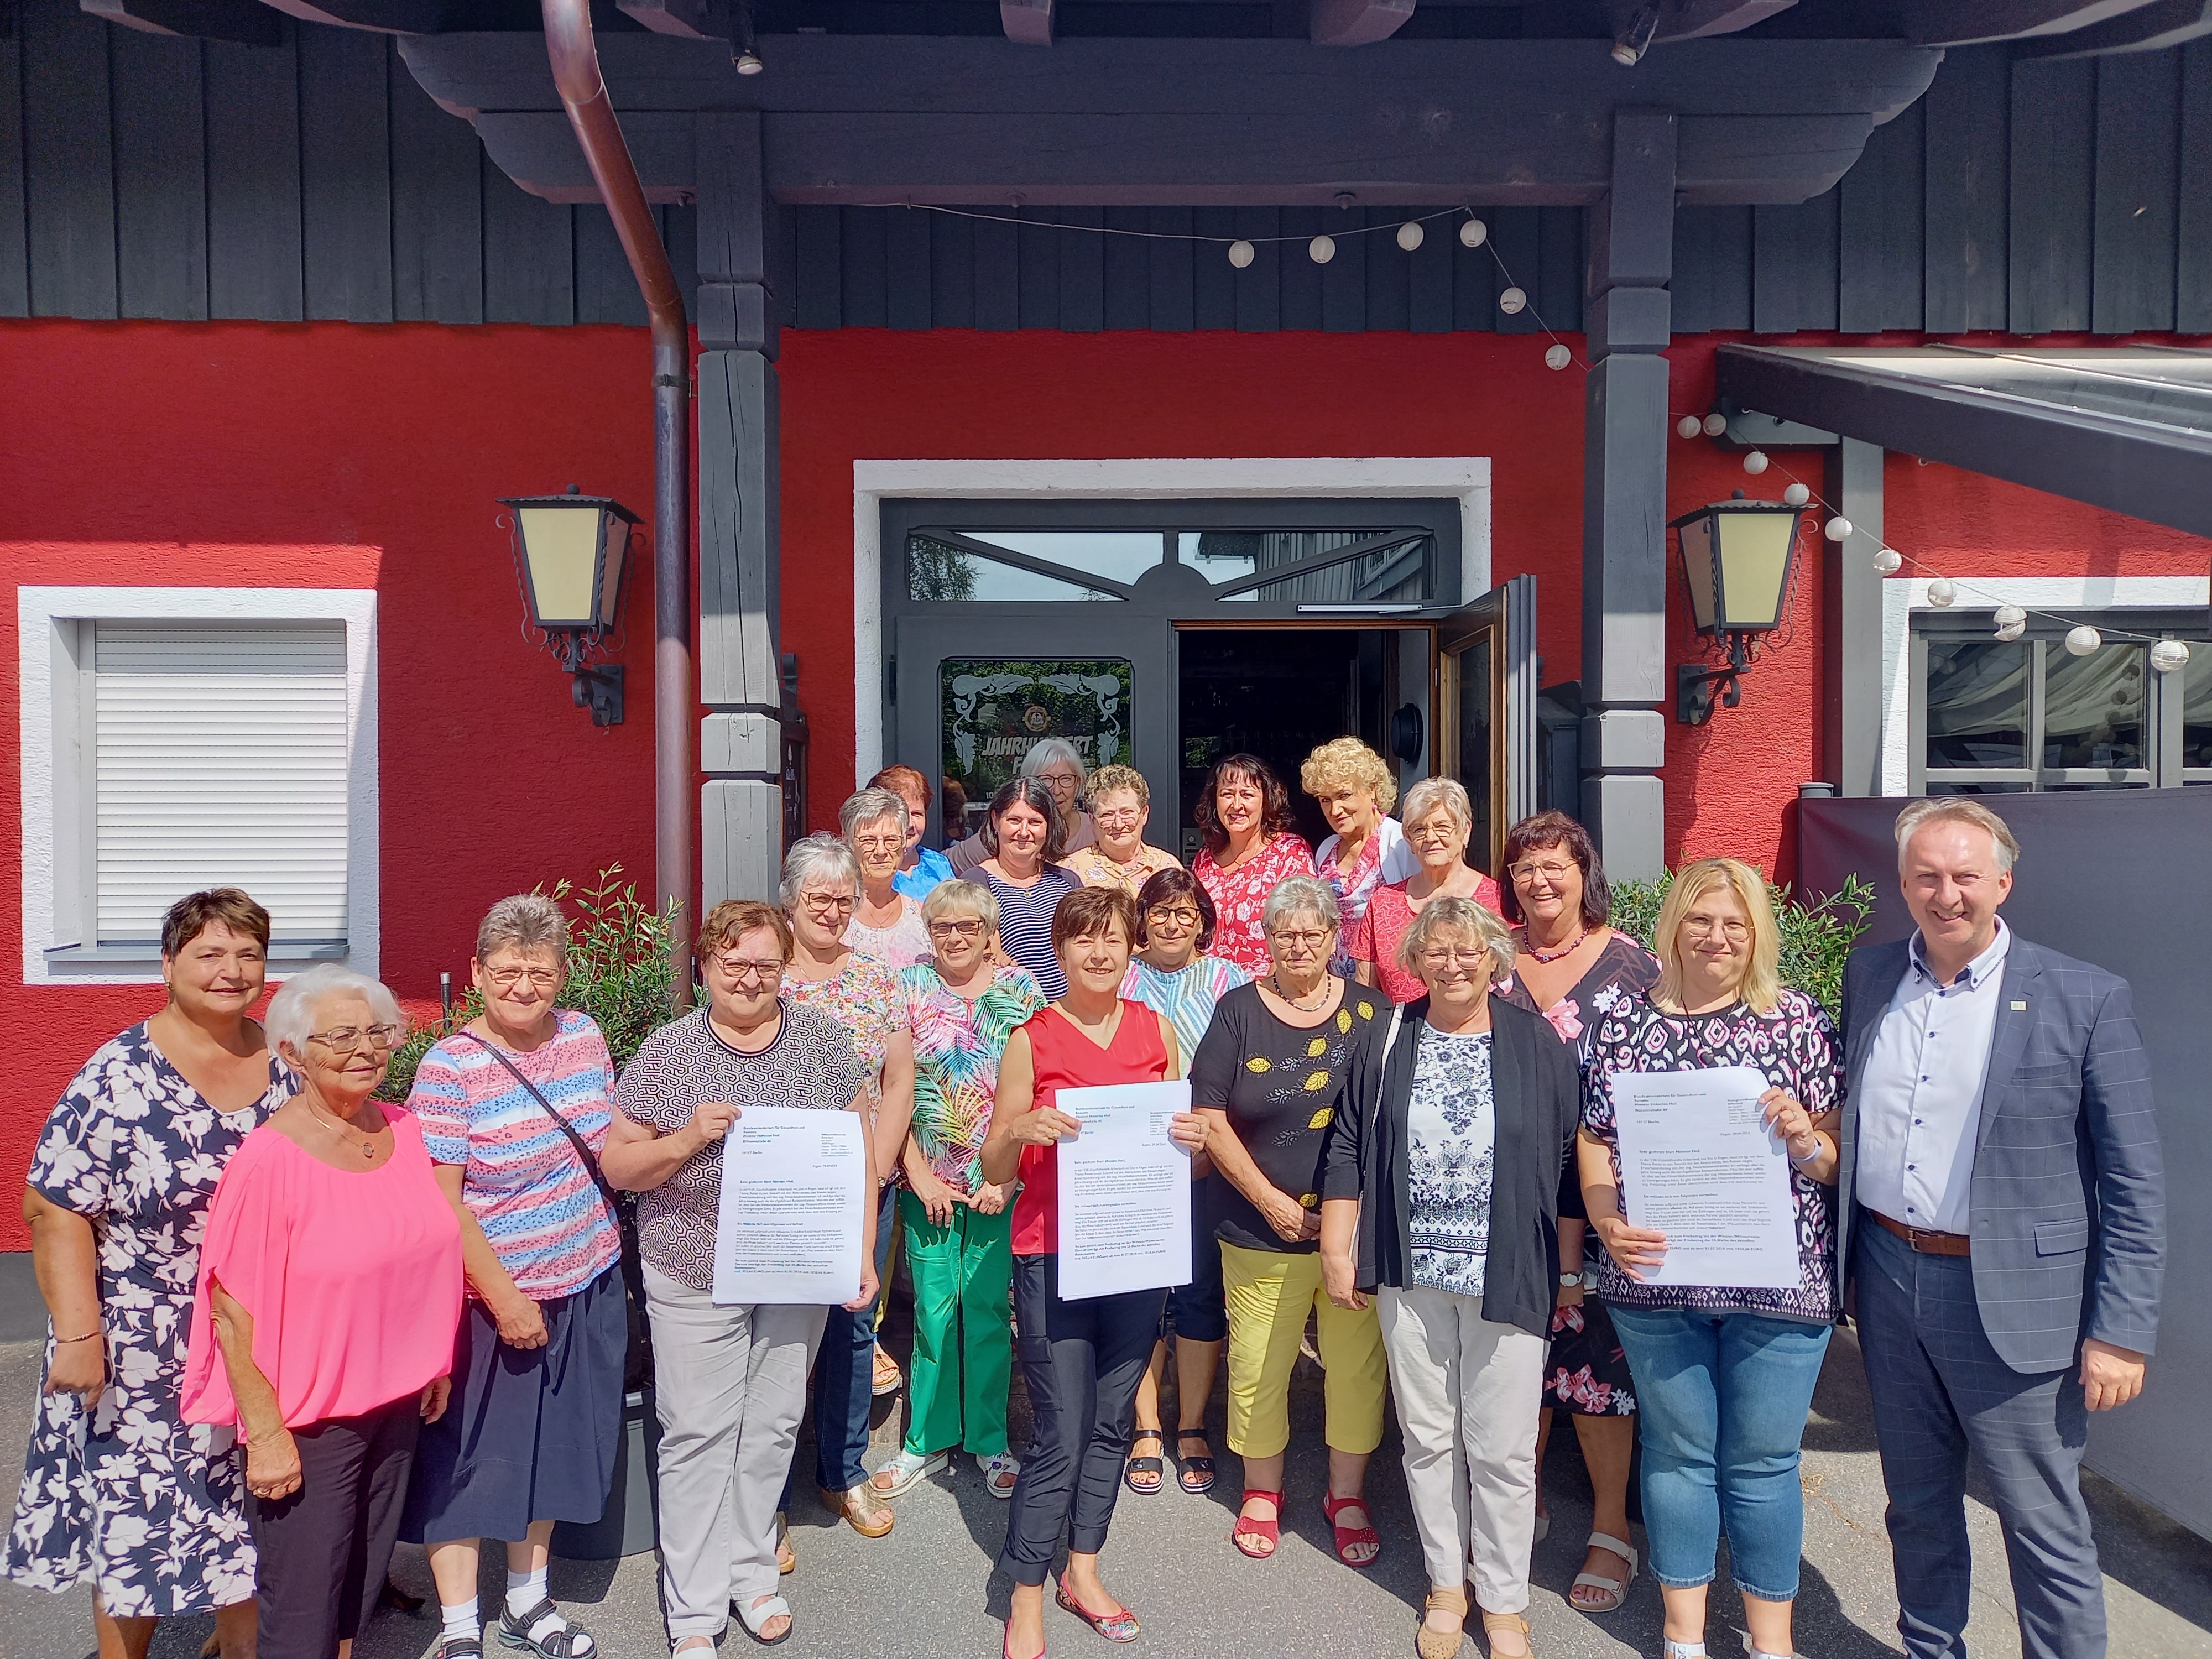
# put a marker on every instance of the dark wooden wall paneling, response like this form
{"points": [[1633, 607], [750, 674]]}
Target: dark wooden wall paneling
{"points": [[148, 176]]}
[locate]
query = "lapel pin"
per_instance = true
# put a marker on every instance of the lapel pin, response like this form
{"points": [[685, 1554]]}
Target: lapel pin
{"points": [[2019, 1007]]}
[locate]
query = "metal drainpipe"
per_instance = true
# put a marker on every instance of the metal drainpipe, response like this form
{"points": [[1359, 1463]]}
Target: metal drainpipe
{"points": [[575, 60]]}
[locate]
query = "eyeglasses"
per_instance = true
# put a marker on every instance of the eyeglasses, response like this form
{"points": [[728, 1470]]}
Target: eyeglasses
{"points": [[347, 1038], [823, 905], [1118, 816], [956, 929], [538, 979], [741, 968], [1058, 780], [1165, 917], [1705, 927], [1302, 939], [1555, 873], [1453, 956], [892, 843]]}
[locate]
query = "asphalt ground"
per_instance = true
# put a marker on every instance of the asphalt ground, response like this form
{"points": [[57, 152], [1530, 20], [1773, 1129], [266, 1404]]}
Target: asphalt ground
{"points": [[929, 1587]]}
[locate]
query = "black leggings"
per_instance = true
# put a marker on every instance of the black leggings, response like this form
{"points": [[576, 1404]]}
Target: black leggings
{"points": [[1081, 1362], [324, 1550]]}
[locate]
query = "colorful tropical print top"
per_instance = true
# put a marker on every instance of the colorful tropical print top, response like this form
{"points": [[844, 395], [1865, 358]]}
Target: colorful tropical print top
{"points": [[957, 1047]]}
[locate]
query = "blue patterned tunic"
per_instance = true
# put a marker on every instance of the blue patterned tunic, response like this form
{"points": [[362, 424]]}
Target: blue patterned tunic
{"points": [[147, 1505]]}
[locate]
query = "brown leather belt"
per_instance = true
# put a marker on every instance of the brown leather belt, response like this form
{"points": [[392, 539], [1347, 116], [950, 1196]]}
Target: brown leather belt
{"points": [[1925, 1240]]}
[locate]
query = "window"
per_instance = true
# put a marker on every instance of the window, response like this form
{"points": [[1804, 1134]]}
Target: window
{"points": [[235, 747], [2010, 717]]}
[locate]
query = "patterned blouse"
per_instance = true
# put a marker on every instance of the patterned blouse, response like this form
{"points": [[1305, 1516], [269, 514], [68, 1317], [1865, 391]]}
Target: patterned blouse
{"points": [[1093, 868], [1239, 894], [957, 1047], [1186, 996], [864, 997], [1451, 1124], [1375, 938], [901, 944], [1795, 1047], [1622, 969]]}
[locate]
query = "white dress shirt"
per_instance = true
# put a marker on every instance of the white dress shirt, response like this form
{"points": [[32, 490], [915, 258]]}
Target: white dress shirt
{"points": [[1920, 1097]]}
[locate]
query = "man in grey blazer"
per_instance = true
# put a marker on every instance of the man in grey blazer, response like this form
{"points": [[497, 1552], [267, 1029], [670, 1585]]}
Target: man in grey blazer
{"points": [[2002, 1212]]}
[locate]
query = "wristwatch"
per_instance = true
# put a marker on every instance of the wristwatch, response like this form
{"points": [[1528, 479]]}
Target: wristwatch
{"points": [[1570, 1281]]}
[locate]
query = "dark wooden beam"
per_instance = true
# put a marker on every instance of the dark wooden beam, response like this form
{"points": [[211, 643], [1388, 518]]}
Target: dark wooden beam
{"points": [[383, 16], [1027, 23], [1355, 22], [1964, 22], [1700, 20], [688, 20], [246, 21], [2153, 28]]}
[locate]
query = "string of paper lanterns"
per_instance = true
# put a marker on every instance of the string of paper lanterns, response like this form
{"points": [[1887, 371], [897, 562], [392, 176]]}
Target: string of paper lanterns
{"points": [[2009, 621]]}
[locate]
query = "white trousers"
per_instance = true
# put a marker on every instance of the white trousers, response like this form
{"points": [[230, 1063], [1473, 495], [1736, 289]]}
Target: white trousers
{"points": [[1468, 1393], [730, 1386]]}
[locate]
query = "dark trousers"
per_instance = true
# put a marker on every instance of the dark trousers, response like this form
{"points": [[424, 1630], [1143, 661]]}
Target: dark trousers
{"points": [[324, 1550], [1940, 1392], [845, 1377], [1080, 1362]]}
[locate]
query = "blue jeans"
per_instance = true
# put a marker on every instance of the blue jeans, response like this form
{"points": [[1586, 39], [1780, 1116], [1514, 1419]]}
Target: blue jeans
{"points": [[1722, 1399], [845, 1377]]}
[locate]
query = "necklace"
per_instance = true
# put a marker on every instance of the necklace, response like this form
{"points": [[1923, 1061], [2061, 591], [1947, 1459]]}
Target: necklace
{"points": [[368, 1146], [1320, 995], [1566, 949]]}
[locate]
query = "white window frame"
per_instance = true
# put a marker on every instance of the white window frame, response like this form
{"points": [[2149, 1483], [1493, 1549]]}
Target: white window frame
{"points": [[56, 692]]}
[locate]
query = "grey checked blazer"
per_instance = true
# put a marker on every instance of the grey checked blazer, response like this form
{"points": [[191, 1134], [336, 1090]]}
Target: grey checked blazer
{"points": [[2068, 1192]]}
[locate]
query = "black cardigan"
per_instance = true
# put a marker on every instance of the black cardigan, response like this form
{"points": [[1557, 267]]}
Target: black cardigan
{"points": [[1538, 1097]]}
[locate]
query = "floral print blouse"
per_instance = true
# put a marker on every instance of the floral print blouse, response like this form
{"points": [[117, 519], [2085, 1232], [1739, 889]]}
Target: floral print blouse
{"points": [[1239, 894], [863, 997], [1794, 1046], [957, 1047]]}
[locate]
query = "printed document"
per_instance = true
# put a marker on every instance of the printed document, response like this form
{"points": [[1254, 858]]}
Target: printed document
{"points": [[794, 1190], [1699, 1165], [1124, 1191]]}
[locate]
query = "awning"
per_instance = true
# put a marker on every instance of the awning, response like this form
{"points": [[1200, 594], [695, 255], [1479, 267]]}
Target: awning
{"points": [[2128, 428]]}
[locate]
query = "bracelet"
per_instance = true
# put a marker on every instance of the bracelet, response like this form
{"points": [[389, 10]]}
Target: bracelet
{"points": [[1820, 1151], [63, 1341]]}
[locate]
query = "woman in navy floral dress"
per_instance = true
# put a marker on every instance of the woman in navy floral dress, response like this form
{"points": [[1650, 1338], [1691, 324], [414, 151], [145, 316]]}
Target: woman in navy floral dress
{"points": [[117, 1486]]}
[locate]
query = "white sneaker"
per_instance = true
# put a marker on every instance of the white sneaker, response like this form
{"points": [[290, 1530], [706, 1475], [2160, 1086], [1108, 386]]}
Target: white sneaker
{"points": [[1000, 1470], [908, 1471]]}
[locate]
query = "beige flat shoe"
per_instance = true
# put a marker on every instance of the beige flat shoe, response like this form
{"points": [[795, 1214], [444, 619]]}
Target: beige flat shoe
{"points": [[1606, 1593], [864, 1512], [1494, 1622], [1437, 1643]]}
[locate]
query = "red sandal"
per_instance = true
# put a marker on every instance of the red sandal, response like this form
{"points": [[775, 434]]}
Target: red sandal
{"points": [[1347, 1536], [1270, 1530]]}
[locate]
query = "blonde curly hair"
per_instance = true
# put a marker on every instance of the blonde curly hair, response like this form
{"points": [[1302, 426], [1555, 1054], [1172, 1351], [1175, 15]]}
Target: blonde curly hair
{"points": [[1348, 764]]}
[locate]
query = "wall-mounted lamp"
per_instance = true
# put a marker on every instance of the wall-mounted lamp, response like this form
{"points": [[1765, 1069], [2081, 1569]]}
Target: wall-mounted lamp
{"points": [[1736, 560], [571, 557]]}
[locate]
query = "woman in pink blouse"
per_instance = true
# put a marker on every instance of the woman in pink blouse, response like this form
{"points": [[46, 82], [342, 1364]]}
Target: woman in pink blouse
{"points": [[1243, 817], [330, 1290], [1439, 823]]}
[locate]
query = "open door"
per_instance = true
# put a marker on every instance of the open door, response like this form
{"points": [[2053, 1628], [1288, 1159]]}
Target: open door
{"points": [[1485, 707]]}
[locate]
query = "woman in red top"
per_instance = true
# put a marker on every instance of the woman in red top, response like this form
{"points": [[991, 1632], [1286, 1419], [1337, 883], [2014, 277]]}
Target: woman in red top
{"points": [[1244, 819], [1081, 1360]]}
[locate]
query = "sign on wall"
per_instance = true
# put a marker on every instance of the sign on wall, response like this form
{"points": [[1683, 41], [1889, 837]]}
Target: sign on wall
{"points": [[992, 711]]}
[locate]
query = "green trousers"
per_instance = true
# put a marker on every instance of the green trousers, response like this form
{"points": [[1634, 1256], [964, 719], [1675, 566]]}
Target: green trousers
{"points": [[956, 1386]]}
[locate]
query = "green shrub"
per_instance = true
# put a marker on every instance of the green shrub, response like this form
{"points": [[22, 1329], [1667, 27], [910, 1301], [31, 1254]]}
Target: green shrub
{"points": [[1815, 938], [617, 974]]}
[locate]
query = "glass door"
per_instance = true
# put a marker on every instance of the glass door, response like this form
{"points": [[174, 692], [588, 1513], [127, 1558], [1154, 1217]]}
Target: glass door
{"points": [[1484, 709]]}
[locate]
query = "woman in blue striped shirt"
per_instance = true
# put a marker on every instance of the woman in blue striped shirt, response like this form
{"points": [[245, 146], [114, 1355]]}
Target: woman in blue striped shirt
{"points": [[1023, 836]]}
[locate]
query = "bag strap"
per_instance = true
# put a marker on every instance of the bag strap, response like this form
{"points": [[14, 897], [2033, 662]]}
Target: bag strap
{"points": [[583, 1152]]}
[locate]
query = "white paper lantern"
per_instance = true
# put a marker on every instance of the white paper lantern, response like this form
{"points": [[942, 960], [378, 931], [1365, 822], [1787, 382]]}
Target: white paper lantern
{"points": [[2167, 655], [1558, 358], [1688, 427], [1942, 592], [1411, 236], [2011, 623], [1321, 249], [1796, 495], [1242, 253], [2006, 635], [1888, 562], [1513, 301], [1755, 463], [1836, 529], [1715, 424], [2082, 639], [1474, 234]]}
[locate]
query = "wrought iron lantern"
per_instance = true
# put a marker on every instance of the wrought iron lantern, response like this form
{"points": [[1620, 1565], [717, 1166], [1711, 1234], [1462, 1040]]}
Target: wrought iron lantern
{"points": [[571, 556], [1738, 558]]}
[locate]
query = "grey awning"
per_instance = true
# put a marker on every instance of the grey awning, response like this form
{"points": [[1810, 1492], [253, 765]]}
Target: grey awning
{"points": [[2128, 428]]}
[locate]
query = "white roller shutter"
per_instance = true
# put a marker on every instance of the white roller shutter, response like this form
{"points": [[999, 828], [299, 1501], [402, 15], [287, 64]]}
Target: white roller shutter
{"points": [[220, 760]]}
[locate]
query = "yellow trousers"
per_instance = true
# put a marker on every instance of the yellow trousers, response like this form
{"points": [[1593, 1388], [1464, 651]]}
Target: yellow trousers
{"points": [[1268, 1297]]}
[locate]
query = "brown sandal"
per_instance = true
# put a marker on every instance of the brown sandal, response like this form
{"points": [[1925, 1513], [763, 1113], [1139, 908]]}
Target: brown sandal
{"points": [[1436, 1644], [1493, 1622]]}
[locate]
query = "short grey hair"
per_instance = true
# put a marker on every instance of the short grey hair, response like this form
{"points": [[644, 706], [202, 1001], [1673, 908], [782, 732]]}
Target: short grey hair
{"points": [[1299, 895], [815, 858], [1957, 809], [1044, 752], [524, 922], [865, 807], [1461, 917], [1425, 797], [291, 1016], [962, 898]]}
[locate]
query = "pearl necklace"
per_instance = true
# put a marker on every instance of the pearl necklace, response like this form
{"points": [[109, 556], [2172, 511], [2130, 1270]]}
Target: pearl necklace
{"points": [[1566, 949]]}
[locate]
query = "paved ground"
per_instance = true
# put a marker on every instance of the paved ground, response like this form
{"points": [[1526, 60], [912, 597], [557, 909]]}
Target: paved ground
{"points": [[928, 1589]]}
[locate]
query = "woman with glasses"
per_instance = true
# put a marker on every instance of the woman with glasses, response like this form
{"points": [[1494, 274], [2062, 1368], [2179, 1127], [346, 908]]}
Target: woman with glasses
{"points": [[1121, 807], [329, 1289], [1173, 975], [1026, 879], [921, 868], [117, 1486], [1446, 1176], [1248, 846], [885, 923], [1054, 764], [1439, 821], [729, 1381], [1269, 1079], [1572, 968], [1724, 1376], [821, 888], [960, 1010], [530, 1437], [1355, 789]]}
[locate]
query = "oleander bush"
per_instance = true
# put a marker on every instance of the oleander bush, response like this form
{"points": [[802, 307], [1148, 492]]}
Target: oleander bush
{"points": [[1816, 936]]}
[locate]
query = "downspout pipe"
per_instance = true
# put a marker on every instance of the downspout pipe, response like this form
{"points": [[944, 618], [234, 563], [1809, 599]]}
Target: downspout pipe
{"points": [[576, 59]]}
